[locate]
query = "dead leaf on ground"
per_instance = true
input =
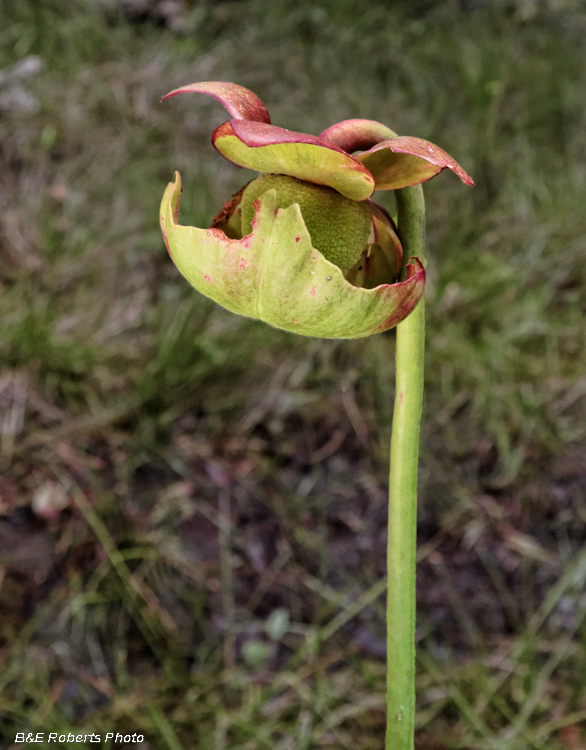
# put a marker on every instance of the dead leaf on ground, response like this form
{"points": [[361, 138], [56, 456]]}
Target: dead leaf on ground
{"points": [[572, 736]]}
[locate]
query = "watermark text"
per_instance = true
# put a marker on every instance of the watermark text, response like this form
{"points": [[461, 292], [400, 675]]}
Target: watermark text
{"points": [[110, 738]]}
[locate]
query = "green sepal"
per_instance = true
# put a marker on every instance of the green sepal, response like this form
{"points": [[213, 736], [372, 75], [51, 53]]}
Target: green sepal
{"points": [[275, 275]]}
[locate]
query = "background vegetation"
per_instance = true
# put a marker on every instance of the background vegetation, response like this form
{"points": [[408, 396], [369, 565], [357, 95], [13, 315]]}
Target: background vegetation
{"points": [[192, 504]]}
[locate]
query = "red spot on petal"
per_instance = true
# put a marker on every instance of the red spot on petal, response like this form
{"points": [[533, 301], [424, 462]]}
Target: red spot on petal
{"points": [[243, 263], [312, 291], [207, 278], [297, 239]]}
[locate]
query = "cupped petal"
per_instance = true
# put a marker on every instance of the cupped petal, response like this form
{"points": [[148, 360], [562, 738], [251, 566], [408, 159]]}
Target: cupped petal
{"points": [[357, 135], [267, 148], [405, 160], [275, 275], [239, 102], [385, 234], [381, 259]]}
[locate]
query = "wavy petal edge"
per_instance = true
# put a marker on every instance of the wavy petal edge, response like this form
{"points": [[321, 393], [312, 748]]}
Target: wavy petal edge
{"points": [[275, 275]]}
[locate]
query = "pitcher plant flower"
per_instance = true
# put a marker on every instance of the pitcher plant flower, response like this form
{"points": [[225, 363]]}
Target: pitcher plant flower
{"points": [[302, 247]]}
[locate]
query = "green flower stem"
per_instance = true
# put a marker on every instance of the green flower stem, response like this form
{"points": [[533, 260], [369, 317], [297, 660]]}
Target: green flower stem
{"points": [[403, 492]]}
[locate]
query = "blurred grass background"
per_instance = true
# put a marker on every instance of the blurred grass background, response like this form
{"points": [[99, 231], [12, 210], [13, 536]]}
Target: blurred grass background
{"points": [[192, 526]]}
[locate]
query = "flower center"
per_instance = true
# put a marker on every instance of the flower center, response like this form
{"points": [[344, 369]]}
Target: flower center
{"points": [[338, 227]]}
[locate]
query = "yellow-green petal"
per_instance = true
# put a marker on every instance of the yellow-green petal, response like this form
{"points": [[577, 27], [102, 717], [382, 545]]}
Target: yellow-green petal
{"points": [[404, 161], [266, 148], [276, 275]]}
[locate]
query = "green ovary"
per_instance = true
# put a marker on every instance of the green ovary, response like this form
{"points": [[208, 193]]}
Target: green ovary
{"points": [[338, 227]]}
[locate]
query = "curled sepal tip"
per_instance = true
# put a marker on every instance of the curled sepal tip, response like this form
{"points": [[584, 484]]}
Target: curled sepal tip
{"points": [[275, 275], [239, 102], [405, 160]]}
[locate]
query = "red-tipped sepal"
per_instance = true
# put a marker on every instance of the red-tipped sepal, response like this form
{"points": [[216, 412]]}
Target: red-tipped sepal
{"points": [[238, 101], [357, 135], [405, 160]]}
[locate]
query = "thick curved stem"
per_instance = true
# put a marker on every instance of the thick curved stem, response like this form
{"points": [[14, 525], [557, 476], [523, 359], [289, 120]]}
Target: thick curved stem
{"points": [[403, 492]]}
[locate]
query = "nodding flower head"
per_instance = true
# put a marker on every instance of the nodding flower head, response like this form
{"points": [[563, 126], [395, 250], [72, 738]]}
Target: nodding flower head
{"points": [[302, 247]]}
